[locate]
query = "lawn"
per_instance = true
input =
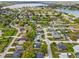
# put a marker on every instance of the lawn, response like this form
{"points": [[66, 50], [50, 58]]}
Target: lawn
{"points": [[4, 43], [70, 47], [9, 56], [54, 50], [50, 38], [11, 49], [49, 34], [2, 46], [9, 32], [1, 25]]}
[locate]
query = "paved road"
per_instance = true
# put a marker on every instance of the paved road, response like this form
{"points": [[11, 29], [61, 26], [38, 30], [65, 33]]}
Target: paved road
{"points": [[48, 43], [9, 46]]}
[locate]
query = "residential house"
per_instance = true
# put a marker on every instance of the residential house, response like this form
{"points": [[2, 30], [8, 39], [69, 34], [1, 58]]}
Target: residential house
{"points": [[17, 53], [76, 48], [63, 55], [39, 55], [61, 46], [21, 40], [1, 33], [56, 35], [77, 54], [37, 45]]}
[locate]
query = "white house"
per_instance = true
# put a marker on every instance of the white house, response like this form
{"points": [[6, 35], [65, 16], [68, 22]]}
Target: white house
{"points": [[76, 48], [1, 33], [63, 55]]}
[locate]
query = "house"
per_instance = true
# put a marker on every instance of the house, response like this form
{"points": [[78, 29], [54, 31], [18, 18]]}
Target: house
{"points": [[76, 48], [63, 55], [20, 16], [37, 38], [78, 36], [61, 46], [39, 55], [21, 40], [56, 35], [39, 29], [77, 54], [17, 53], [19, 47], [21, 29], [1, 33], [37, 45]]}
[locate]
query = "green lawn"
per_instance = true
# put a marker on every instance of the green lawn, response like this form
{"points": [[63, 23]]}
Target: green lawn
{"points": [[2, 46], [9, 32], [50, 38], [4, 43], [11, 49], [70, 47], [54, 50], [9, 56], [1, 26]]}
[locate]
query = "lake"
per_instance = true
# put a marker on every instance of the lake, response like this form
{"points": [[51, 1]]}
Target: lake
{"points": [[25, 5], [73, 12]]}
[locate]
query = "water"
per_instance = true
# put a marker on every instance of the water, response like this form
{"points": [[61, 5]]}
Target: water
{"points": [[73, 12], [25, 5]]}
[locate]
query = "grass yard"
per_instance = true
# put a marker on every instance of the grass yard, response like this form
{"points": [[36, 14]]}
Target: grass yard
{"points": [[54, 50], [70, 47], [49, 34], [9, 56], [9, 32], [11, 49], [50, 38], [4, 43]]}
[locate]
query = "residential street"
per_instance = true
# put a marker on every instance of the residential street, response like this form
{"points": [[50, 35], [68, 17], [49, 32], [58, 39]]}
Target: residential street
{"points": [[9, 46], [48, 43]]}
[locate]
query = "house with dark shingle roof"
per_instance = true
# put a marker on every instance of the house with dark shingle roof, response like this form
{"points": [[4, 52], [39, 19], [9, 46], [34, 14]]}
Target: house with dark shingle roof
{"points": [[39, 55], [61, 46], [37, 45], [17, 53], [77, 54]]}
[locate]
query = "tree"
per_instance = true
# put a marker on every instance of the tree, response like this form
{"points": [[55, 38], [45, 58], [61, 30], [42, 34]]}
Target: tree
{"points": [[44, 48], [76, 20], [34, 17], [32, 25], [21, 23], [31, 34], [26, 44], [28, 54]]}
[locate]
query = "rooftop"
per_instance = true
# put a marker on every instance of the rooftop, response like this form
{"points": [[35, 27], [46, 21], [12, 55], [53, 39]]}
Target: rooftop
{"points": [[23, 38], [76, 48], [39, 55], [63, 55]]}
